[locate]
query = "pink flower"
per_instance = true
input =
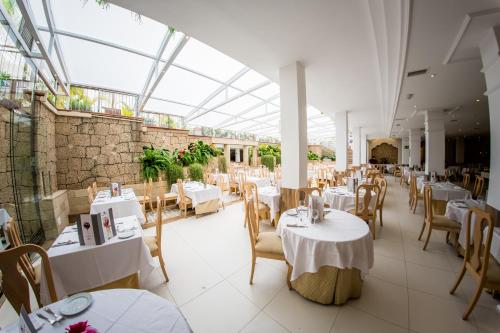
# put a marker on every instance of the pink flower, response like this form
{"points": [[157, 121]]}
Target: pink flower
{"points": [[80, 327]]}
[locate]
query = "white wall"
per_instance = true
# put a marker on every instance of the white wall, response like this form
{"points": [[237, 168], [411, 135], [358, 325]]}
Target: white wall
{"points": [[405, 154]]}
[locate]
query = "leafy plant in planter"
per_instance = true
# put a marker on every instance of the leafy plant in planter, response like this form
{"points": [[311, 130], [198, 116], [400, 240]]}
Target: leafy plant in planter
{"points": [[4, 77], [174, 172], [221, 164], [273, 150], [196, 172], [78, 100], [268, 161], [312, 156], [154, 162]]}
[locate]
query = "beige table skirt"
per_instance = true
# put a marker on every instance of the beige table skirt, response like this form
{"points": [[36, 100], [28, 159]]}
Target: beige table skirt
{"points": [[330, 285], [128, 282], [207, 207]]}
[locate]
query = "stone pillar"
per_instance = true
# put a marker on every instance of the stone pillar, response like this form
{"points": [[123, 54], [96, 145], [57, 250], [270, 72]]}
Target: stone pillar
{"points": [[356, 146], [237, 157], [364, 148], [245, 155], [459, 150], [293, 125], [227, 154], [490, 54], [414, 147], [255, 155], [434, 142], [341, 140], [405, 150]]}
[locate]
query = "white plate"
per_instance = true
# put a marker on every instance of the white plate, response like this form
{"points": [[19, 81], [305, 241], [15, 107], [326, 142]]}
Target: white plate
{"points": [[126, 234], [76, 304], [291, 212]]}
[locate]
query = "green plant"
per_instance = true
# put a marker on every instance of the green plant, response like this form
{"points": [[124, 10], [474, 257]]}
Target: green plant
{"points": [[273, 150], [4, 77], [9, 6], [312, 156], [268, 161], [199, 152], [196, 172], [174, 172], [79, 101], [168, 122], [154, 162], [126, 110], [221, 164]]}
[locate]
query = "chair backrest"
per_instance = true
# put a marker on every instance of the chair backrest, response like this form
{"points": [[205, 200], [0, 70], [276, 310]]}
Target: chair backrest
{"points": [[180, 191], [252, 222], [413, 184], [428, 204], [339, 178], [149, 188], [221, 182], [382, 183], [466, 180], [159, 221], [242, 180], [478, 245], [363, 208], [90, 195], [478, 187], [162, 189], [94, 188], [304, 192], [14, 237], [251, 194], [14, 284]]}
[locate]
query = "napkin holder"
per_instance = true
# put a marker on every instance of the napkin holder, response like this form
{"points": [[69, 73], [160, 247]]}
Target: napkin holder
{"points": [[115, 189], [96, 229]]}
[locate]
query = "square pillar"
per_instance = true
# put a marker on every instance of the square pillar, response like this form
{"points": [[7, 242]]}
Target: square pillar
{"points": [[356, 146], [237, 157], [245, 155], [405, 150], [414, 140], [341, 140], [255, 155], [364, 148], [293, 125], [434, 142], [490, 54], [227, 154]]}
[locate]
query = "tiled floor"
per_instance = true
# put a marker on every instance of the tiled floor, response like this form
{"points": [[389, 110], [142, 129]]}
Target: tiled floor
{"points": [[208, 261]]}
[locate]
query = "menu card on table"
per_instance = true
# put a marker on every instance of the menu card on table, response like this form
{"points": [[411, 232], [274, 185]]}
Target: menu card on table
{"points": [[115, 189], [315, 209], [96, 229]]}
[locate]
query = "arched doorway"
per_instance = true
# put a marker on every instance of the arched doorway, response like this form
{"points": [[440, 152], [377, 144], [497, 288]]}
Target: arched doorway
{"points": [[385, 153]]}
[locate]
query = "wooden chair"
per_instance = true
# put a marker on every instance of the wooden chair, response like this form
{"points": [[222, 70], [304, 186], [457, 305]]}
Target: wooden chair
{"points": [[415, 195], [466, 180], [242, 181], [147, 197], [154, 242], [15, 285], [221, 183], [382, 183], [184, 202], [477, 261], [438, 222], [304, 192], [339, 178], [233, 184], [478, 187], [262, 210], [90, 195], [397, 174], [362, 207], [264, 244], [94, 188], [165, 197]]}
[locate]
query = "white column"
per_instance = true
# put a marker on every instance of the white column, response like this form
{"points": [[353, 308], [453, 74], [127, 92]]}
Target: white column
{"points": [[490, 48], [237, 154], [405, 147], [364, 148], [293, 125], [356, 146], [414, 147], [341, 140], [459, 150], [434, 142], [227, 155], [245, 155]]}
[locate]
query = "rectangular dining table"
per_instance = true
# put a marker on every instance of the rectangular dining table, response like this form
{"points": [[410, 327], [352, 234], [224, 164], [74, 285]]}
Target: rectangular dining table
{"points": [[205, 198], [77, 268], [126, 204]]}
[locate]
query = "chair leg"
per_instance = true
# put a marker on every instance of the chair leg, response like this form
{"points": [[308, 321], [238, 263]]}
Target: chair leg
{"points": [[162, 265], [372, 226], [428, 237], [415, 205], [381, 222], [459, 279], [421, 231], [288, 276], [253, 269], [473, 301]]}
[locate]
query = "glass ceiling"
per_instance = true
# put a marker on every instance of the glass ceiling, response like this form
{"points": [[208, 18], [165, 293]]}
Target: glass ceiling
{"points": [[110, 47]]}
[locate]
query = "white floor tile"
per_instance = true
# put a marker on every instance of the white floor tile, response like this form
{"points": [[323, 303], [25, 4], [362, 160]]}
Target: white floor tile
{"points": [[263, 324], [351, 320]]}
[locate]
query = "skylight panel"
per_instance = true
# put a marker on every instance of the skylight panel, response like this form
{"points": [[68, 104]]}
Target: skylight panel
{"points": [[239, 105], [209, 119], [111, 23], [38, 12], [207, 60], [267, 91], [222, 97], [185, 87], [249, 80], [166, 107]]}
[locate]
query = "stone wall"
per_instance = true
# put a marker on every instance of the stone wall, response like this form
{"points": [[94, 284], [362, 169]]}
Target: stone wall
{"points": [[44, 118]]}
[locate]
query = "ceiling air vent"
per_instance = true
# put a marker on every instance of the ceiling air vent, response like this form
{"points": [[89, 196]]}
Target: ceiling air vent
{"points": [[418, 72]]}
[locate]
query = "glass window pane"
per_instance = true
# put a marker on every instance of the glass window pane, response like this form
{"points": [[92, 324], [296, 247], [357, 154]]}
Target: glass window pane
{"points": [[267, 91], [167, 107], [110, 23], [207, 60], [221, 97], [182, 86], [249, 80], [209, 119], [239, 105], [98, 65], [38, 12]]}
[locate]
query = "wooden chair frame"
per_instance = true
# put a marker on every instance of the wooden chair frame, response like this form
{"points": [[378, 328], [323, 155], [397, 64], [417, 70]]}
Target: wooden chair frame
{"points": [[158, 237], [364, 211], [478, 187], [184, 203], [90, 195], [466, 180], [382, 184], [306, 191], [477, 256]]}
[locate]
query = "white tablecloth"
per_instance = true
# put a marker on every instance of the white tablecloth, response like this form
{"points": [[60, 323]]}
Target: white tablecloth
{"points": [[342, 240], [124, 205], [123, 311], [448, 191], [495, 244], [199, 192], [271, 197], [485, 174], [4, 217], [259, 181], [340, 198], [76, 268]]}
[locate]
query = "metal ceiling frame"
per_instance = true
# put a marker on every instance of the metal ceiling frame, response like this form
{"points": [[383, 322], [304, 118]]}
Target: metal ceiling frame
{"points": [[258, 105]]}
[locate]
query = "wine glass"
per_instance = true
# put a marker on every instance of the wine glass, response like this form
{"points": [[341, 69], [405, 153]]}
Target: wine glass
{"points": [[301, 210]]}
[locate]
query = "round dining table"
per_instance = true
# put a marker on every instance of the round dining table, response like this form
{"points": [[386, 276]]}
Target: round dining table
{"points": [[123, 311], [341, 199], [329, 258]]}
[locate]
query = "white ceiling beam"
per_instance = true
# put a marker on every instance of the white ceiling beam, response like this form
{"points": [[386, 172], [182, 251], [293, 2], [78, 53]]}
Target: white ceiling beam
{"points": [[218, 91], [175, 53], [229, 100], [258, 105], [252, 118]]}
